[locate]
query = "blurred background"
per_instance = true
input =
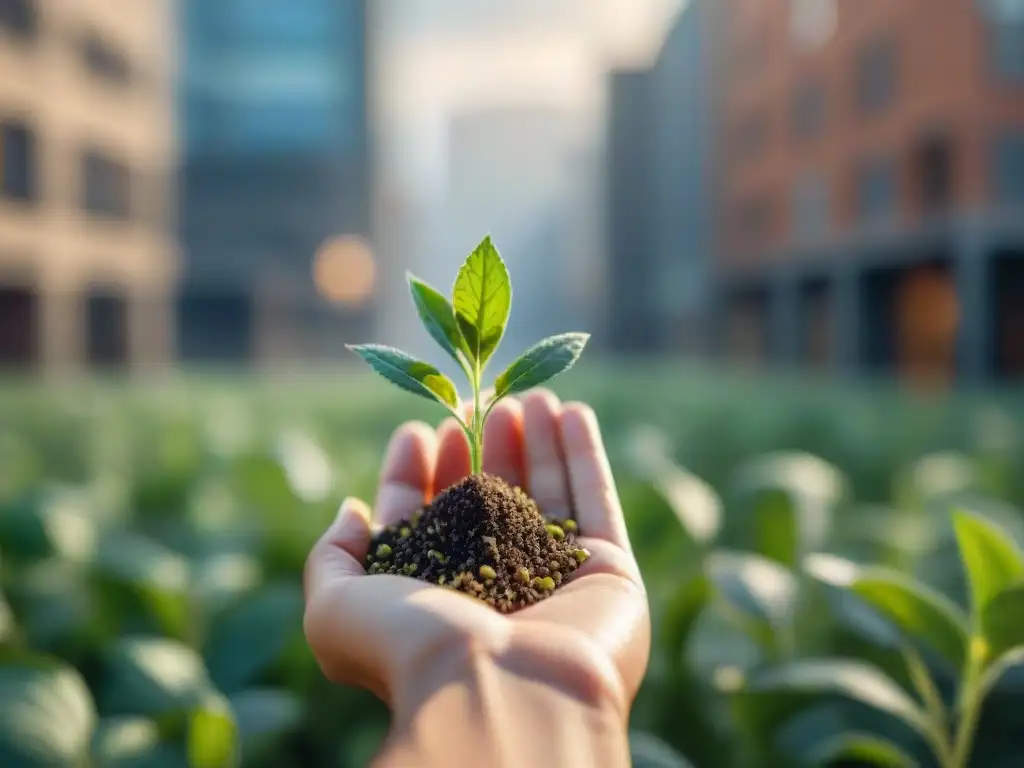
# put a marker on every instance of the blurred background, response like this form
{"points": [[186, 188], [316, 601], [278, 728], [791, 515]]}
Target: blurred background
{"points": [[794, 228]]}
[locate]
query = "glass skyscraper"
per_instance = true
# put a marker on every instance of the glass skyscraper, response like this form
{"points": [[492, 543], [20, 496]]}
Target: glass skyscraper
{"points": [[275, 160]]}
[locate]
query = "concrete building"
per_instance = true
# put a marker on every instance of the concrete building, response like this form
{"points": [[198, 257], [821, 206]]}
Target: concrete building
{"points": [[872, 185], [87, 156], [274, 183], [661, 181]]}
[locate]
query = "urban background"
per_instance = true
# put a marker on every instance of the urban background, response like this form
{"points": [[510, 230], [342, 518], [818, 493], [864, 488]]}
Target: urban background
{"points": [[794, 229]]}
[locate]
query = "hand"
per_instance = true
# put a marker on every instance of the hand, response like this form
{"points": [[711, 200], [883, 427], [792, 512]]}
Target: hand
{"points": [[403, 639]]}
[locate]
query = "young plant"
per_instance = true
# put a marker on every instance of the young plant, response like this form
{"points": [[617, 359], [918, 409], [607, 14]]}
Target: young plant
{"points": [[470, 328]]}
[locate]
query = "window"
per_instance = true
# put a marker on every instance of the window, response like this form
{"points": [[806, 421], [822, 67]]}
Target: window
{"points": [[106, 186], [18, 176], [104, 61], [811, 215], [19, 18], [808, 110], [876, 73], [934, 167], [1006, 19], [876, 191], [1008, 173]]}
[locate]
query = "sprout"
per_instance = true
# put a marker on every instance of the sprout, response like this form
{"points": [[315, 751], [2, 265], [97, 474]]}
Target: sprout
{"points": [[469, 328]]}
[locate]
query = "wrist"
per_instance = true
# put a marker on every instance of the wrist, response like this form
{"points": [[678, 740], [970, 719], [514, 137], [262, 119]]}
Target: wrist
{"points": [[559, 696]]}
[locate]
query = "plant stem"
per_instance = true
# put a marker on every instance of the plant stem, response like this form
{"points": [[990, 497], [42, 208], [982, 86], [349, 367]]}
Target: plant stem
{"points": [[477, 442], [970, 709]]}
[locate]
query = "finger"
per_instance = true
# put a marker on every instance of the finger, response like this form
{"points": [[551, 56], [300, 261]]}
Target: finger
{"points": [[545, 460], [453, 462], [598, 510], [407, 475], [503, 442], [340, 551]]}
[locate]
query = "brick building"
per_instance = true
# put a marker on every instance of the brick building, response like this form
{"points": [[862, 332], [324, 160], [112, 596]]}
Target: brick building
{"points": [[871, 188], [87, 159]]}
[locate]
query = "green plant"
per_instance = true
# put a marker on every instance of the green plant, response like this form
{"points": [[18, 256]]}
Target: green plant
{"points": [[470, 328]]}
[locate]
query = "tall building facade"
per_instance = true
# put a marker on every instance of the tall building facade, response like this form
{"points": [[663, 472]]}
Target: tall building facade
{"points": [[88, 259], [871, 200], [660, 192], [274, 179]]}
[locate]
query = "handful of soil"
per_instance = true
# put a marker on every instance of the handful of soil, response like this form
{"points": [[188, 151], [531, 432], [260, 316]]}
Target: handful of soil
{"points": [[485, 538]]}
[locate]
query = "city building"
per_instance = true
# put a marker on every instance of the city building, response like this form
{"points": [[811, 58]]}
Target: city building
{"points": [[88, 259], [660, 192], [871, 191], [274, 181]]}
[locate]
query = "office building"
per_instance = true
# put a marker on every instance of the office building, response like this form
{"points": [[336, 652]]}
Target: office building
{"points": [[88, 260], [274, 183], [871, 204]]}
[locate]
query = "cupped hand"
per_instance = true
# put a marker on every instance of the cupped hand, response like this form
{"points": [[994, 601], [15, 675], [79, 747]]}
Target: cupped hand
{"points": [[380, 632]]}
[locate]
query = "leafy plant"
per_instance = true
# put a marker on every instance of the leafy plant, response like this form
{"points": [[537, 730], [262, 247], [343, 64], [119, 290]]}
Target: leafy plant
{"points": [[470, 328]]}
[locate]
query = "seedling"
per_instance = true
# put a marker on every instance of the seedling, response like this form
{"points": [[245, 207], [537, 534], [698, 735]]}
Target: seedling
{"points": [[469, 328]]}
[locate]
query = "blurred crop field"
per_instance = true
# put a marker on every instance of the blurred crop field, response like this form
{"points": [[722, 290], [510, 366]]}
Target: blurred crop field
{"points": [[834, 574]]}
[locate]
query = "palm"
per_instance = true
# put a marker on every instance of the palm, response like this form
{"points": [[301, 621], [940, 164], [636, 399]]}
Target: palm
{"points": [[556, 455]]}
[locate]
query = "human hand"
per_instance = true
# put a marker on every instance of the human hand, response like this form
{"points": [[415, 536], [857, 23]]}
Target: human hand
{"points": [[395, 635]]}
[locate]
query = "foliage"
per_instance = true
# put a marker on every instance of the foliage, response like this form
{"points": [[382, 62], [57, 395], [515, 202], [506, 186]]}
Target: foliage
{"points": [[834, 577], [469, 329]]}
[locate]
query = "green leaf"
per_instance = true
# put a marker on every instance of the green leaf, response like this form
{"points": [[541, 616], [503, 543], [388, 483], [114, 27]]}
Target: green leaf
{"points": [[133, 742], [757, 587], [47, 716], [1002, 621], [862, 748], [409, 374], [1012, 658], [855, 680], [153, 676], [438, 317], [919, 612], [681, 615], [648, 751], [541, 362], [992, 560], [482, 299], [233, 654], [264, 714], [212, 736]]}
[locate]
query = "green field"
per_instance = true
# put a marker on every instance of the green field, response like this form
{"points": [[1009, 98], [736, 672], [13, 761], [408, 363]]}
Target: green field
{"points": [[797, 542]]}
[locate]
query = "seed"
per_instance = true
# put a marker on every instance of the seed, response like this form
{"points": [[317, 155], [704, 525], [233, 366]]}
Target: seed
{"points": [[441, 579], [410, 568], [405, 532], [556, 532], [375, 568], [524, 575], [383, 551], [545, 584], [558, 577], [581, 555], [569, 525], [486, 572], [554, 566]]}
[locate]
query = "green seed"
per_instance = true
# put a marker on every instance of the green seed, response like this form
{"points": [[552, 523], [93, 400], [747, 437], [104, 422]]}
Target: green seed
{"points": [[442, 579], [570, 526], [581, 555], [410, 568], [486, 572], [524, 575], [375, 568], [405, 532], [383, 551], [556, 532], [545, 585], [554, 566]]}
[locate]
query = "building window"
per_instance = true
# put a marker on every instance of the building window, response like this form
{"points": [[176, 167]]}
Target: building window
{"points": [[1006, 20], [811, 212], [808, 110], [106, 186], [876, 191], [1008, 159], [19, 18], [876, 76], [17, 162], [103, 60]]}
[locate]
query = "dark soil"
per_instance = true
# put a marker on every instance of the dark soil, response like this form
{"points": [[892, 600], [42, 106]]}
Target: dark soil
{"points": [[485, 538]]}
